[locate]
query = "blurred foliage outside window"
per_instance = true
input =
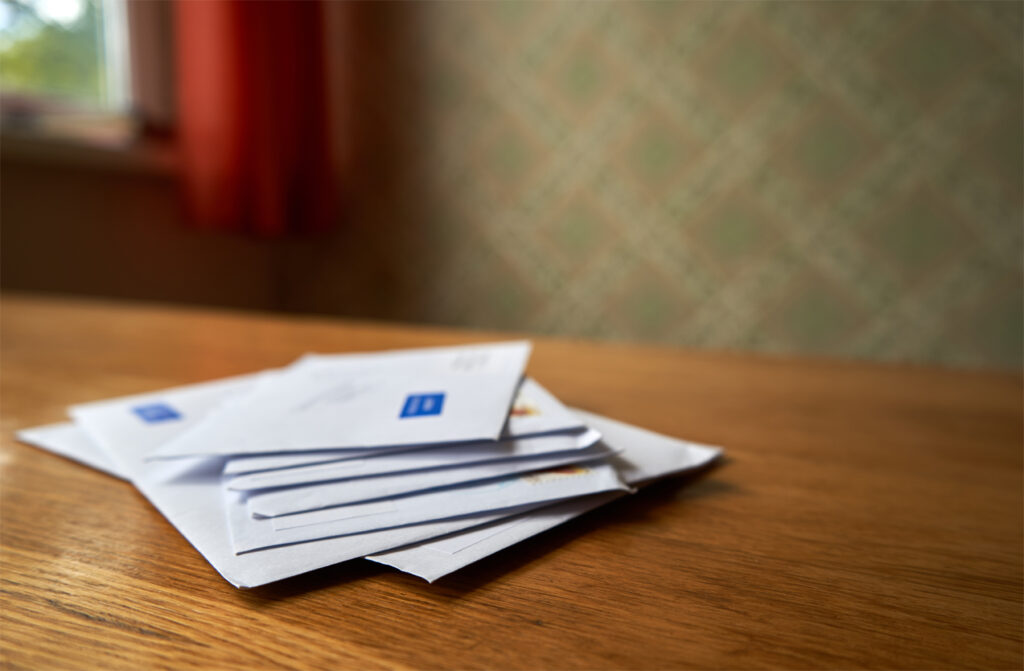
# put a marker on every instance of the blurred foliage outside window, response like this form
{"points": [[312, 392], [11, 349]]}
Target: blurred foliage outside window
{"points": [[62, 55]]}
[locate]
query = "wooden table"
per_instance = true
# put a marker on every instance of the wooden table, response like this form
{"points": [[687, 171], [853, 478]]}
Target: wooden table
{"points": [[866, 516]]}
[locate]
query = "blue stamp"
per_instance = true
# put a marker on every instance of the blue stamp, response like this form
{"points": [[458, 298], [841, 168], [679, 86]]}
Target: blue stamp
{"points": [[156, 412], [422, 405]]}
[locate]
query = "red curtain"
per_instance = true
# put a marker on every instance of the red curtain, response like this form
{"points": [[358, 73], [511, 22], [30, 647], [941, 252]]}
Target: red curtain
{"points": [[253, 116]]}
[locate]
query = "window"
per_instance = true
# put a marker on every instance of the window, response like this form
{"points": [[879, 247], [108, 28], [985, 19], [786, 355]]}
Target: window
{"points": [[65, 53], [92, 69]]}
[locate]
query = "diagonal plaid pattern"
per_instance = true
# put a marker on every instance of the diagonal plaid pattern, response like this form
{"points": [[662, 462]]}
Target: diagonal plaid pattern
{"points": [[829, 178]]}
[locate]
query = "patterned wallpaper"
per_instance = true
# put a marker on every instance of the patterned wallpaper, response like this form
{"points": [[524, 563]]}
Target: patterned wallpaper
{"points": [[835, 178]]}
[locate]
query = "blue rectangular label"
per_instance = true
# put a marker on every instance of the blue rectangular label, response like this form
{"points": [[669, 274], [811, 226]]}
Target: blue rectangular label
{"points": [[156, 412], [422, 405]]}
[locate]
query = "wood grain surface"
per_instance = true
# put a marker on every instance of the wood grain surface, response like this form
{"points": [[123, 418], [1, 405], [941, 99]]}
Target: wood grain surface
{"points": [[866, 516]]}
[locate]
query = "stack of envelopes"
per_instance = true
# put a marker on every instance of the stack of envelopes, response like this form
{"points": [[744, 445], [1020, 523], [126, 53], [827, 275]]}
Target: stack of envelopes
{"points": [[426, 459]]}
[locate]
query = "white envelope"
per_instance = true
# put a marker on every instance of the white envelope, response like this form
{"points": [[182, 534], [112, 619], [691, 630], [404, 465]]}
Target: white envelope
{"points": [[513, 493], [534, 412], [294, 500], [194, 507], [243, 465], [189, 493], [411, 397], [645, 456], [418, 460], [138, 424], [68, 441], [270, 565]]}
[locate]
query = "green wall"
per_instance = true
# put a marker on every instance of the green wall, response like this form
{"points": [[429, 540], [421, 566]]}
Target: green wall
{"points": [[841, 178]]}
